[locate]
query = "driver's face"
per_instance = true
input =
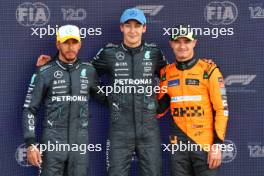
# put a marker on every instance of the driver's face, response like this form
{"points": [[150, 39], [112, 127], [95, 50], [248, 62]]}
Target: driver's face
{"points": [[132, 31], [69, 49]]}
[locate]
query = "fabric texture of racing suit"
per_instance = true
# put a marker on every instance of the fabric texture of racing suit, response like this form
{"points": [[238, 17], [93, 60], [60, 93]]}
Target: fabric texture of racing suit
{"points": [[133, 123], [65, 90], [197, 100]]}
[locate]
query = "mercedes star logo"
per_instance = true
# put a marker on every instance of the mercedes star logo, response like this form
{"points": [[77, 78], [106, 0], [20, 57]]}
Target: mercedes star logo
{"points": [[120, 56], [58, 74]]}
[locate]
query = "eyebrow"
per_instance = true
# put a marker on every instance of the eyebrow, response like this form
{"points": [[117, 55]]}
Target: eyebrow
{"points": [[127, 22]]}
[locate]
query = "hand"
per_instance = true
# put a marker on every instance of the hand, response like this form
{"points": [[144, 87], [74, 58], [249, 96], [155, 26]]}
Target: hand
{"points": [[209, 61], [34, 156], [43, 59], [214, 157]]}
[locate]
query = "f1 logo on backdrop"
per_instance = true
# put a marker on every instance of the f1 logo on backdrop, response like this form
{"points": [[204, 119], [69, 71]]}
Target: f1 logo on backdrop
{"points": [[221, 13], [151, 10], [240, 83], [239, 79], [32, 14]]}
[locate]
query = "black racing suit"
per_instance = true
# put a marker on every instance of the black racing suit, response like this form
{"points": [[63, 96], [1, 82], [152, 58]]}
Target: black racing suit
{"points": [[65, 90], [133, 123]]}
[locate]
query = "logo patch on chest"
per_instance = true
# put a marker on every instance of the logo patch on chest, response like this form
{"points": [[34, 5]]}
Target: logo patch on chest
{"points": [[175, 82], [194, 82]]}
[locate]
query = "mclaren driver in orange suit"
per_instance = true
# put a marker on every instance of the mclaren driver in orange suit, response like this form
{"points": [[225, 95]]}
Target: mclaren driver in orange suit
{"points": [[197, 99]]}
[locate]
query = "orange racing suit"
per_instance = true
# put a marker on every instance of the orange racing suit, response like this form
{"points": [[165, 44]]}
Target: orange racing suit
{"points": [[197, 99]]}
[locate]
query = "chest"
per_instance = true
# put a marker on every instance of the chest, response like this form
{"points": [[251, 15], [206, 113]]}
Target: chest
{"points": [[187, 82], [138, 65], [74, 82]]}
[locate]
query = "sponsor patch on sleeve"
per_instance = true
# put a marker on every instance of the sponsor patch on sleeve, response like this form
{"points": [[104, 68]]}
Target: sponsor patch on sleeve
{"points": [[220, 79], [223, 91], [163, 77], [221, 82], [224, 103]]}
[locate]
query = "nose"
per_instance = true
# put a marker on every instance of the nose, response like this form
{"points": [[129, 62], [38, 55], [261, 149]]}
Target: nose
{"points": [[182, 46], [132, 29], [71, 45]]}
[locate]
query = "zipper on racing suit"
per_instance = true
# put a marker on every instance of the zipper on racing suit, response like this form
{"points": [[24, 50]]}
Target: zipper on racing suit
{"points": [[133, 97], [69, 114]]}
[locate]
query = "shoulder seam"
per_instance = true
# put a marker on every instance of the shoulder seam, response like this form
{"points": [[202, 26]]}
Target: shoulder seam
{"points": [[152, 45], [212, 72], [43, 69], [111, 45], [86, 63]]}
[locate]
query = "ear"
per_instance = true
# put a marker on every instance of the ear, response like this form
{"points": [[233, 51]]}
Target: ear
{"points": [[58, 45], [170, 43], [194, 42], [121, 28], [144, 28]]}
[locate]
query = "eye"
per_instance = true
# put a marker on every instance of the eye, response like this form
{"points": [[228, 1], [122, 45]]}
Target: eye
{"points": [[127, 25], [137, 25], [75, 41]]}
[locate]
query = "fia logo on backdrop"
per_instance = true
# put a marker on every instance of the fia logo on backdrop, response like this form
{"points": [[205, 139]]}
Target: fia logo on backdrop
{"points": [[21, 156], [229, 155], [32, 14], [221, 13]]}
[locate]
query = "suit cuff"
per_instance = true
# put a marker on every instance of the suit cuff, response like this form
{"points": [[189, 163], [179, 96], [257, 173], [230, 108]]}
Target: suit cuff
{"points": [[218, 140], [30, 141]]}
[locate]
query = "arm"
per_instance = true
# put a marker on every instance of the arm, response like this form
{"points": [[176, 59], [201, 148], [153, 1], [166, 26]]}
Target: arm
{"points": [[161, 62], [96, 92], [218, 98], [163, 97], [100, 62], [33, 99], [43, 59]]}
